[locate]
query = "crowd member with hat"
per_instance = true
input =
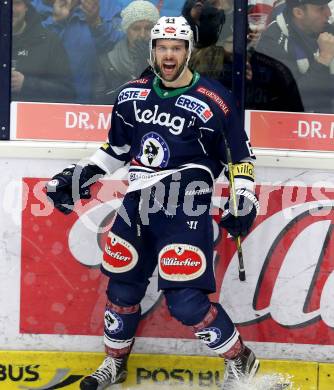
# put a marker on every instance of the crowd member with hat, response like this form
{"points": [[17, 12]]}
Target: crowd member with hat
{"points": [[127, 60], [302, 39], [165, 7], [206, 18], [40, 67]]}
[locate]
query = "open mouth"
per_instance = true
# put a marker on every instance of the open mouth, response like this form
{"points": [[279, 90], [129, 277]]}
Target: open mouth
{"points": [[168, 68]]}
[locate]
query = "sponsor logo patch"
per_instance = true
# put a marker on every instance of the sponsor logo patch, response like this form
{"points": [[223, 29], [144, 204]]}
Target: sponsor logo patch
{"points": [[170, 30], [154, 151], [181, 262], [138, 81], [119, 255], [243, 169], [133, 94], [216, 98], [200, 108], [175, 124]]}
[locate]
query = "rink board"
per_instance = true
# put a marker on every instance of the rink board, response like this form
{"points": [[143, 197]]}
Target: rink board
{"points": [[64, 370]]}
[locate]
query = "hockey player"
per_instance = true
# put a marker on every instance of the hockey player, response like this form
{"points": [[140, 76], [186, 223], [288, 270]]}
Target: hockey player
{"points": [[169, 128]]}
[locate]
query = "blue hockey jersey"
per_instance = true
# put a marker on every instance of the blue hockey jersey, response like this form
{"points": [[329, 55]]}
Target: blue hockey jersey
{"points": [[161, 131]]}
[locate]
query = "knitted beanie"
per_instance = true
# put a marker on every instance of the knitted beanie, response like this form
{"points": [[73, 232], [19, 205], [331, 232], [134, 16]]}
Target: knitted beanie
{"points": [[139, 10]]}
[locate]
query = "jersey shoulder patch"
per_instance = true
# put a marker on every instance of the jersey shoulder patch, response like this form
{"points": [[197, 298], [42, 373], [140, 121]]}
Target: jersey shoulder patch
{"points": [[138, 89], [145, 80], [196, 106], [141, 81], [133, 93], [215, 92]]}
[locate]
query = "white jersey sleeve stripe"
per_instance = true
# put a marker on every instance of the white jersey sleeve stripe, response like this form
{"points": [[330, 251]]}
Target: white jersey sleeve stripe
{"points": [[106, 162], [120, 149]]}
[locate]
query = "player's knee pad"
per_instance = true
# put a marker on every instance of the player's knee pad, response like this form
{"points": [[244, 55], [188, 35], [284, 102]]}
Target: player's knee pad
{"points": [[187, 305], [124, 294]]}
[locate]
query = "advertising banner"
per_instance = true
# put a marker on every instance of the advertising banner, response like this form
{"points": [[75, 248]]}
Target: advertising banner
{"points": [[89, 123], [287, 297], [291, 131], [58, 370], [60, 122]]}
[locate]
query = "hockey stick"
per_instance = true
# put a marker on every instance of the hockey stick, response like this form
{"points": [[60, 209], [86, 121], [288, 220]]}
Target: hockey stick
{"points": [[238, 88], [242, 272]]}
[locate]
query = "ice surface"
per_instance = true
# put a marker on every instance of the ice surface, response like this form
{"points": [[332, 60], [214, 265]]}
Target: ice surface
{"points": [[273, 381]]}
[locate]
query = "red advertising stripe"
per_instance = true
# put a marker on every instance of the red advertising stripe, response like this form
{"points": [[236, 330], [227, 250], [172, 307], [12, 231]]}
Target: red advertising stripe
{"points": [[62, 122], [293, 131]]}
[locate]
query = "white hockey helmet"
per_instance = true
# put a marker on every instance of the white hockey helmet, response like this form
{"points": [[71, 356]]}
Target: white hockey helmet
{"points": [[172, 28], [168, 27]]}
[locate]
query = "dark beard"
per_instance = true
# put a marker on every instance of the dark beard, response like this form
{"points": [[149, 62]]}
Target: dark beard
{"points": [[178, 73], [211, 21]]}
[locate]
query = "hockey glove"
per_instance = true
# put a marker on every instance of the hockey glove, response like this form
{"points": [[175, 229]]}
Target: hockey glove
{"points": [[239, 223], [71, 184]]}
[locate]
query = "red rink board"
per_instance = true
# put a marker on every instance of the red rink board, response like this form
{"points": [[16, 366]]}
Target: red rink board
{"points": [[60, 295]]}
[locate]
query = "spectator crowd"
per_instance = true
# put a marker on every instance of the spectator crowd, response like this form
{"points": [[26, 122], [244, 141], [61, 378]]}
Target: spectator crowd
{"points": [[84, 51]]}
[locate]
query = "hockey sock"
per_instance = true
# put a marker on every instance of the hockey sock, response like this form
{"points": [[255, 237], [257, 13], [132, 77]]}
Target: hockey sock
{"points": [[218, 332], [120, 324], [235, 350]]}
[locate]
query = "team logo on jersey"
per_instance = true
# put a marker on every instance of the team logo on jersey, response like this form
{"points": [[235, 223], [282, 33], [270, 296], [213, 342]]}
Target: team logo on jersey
{"points": [[154, 151], [181, 262], [210, 336], [119, 255], [133, 94], [175, 124], [112, 322], [200, 108]]}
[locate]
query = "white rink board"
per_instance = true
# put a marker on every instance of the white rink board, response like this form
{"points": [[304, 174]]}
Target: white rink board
{"points": [[13, 169]]}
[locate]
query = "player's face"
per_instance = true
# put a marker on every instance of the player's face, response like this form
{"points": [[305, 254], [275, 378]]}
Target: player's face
{"points": [[170, 58]]}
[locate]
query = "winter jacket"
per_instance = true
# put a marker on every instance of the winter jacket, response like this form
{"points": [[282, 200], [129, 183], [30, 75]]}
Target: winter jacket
{"points": [[119, 66], [40, 57], [286, 43], [83, 43], [267, 89]]}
